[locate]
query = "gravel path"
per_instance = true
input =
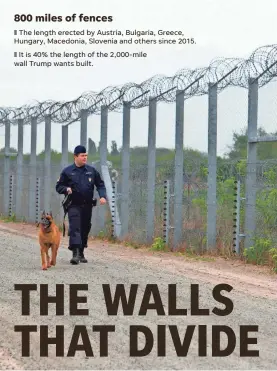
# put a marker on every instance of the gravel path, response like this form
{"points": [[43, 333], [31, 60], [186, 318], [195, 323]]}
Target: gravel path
{"points": [[20, 263]]}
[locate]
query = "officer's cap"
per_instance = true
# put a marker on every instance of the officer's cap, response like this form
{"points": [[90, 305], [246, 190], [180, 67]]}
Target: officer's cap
{"points": [[79, 149]]}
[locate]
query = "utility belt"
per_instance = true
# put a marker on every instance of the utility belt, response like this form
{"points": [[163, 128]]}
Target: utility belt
{"points": [[67, 202], [92, 202]]}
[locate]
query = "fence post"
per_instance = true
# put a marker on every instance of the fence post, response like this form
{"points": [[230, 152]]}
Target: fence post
{"points": [[179, 169], [212, 167], [104, 135], [64, 160], [33, 162], [237, 202], [151, 168], [113, 209], [47, 165], [37, 207], [7, 164], [103, 157], [11, 192], [19, 170], [111, 202], [84, 127], [250, 183], [125, 164], [166, 212]]}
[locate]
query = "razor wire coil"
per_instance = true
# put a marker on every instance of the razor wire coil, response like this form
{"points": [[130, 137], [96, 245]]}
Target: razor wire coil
{"points": [[258, 63]]}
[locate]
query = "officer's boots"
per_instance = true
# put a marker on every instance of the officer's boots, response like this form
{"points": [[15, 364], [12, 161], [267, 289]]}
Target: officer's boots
{"points": [[75, 255], [82, 257]]}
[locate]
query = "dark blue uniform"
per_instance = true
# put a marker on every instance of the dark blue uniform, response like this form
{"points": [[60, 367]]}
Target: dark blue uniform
{"points": [[82, 181]]}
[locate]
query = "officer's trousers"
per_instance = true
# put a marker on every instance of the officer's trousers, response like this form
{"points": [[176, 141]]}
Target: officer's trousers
{"points": [[79, 218]]}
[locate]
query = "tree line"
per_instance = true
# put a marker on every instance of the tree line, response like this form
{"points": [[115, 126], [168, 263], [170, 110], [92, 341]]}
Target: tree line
{"points": [[235, 152]]}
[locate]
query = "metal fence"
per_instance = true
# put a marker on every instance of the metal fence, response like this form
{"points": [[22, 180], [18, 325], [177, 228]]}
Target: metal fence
{"points": [[178, 201]]}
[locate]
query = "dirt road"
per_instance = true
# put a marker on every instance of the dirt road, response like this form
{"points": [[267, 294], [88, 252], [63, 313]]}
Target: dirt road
{"points": [[254, 297]]}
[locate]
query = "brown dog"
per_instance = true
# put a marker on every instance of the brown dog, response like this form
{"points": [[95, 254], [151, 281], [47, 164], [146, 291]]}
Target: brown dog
{"points": [[49, 237]]}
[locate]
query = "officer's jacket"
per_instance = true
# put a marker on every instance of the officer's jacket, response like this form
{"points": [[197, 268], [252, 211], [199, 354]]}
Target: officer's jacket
{"points": [[82, 181]]}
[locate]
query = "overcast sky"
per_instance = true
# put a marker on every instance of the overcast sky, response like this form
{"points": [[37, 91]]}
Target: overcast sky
{"points": [[221, 28]]}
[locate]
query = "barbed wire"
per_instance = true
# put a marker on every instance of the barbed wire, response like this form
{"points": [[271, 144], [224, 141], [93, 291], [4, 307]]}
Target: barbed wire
{"points": [[224, 71]]}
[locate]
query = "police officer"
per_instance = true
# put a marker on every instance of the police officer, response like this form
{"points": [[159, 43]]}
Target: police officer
{"points": [[78, 180]]}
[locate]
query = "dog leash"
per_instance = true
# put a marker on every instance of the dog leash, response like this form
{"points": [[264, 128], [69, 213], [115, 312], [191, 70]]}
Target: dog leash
{"points": [[66, 203], [64, 224]]}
